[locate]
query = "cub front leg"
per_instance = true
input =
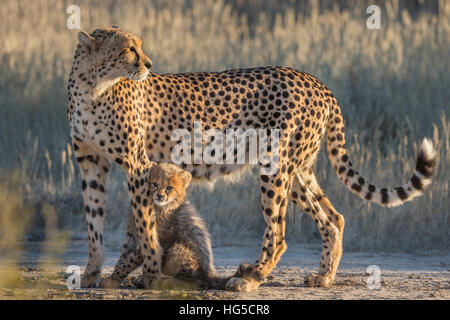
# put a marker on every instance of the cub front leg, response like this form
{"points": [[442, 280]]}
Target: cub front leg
{"points": [[145, 227]]}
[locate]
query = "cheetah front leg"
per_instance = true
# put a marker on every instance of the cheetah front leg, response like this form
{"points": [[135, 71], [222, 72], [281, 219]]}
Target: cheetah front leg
{"points": [[94, 171], [274, 198], [150, 249], [130, 257]]}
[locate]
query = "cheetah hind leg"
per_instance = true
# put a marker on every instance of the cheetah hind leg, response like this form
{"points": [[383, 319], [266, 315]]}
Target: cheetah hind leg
{"points": [[274, 204], [310, 198]]}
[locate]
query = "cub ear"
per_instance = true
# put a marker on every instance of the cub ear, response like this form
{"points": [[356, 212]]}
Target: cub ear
{"points": [[115, 26], [86, 40], [186, 177]]}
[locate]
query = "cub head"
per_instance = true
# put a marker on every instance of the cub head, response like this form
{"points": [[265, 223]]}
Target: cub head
{"points": [[112, 54], [168, 184]]}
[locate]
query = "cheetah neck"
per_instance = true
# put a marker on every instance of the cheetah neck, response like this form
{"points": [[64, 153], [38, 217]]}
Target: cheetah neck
{"points": [[88, 87]]}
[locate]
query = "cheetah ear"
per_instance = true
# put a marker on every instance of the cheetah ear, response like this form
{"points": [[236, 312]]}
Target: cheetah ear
{"points": [[186, 177], [86, 40], [115, 26]]}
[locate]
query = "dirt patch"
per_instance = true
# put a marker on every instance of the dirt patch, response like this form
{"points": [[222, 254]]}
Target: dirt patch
{"points": [[402, 277]]}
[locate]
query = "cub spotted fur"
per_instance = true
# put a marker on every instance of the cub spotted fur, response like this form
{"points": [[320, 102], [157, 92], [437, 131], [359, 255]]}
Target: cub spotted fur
{"points": [[183, 236]]}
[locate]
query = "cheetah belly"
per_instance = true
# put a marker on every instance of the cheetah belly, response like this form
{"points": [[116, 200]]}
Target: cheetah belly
{"points": [[201, 173]]}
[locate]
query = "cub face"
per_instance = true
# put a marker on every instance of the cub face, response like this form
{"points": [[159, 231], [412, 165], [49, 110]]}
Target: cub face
{"points": [[168, 184]]}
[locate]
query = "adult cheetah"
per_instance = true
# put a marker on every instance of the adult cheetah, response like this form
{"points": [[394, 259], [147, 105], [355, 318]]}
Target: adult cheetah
{"points": [[120, 112]]}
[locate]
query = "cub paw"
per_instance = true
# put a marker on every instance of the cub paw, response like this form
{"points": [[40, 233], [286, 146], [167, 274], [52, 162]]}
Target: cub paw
{"points": [[166, 283], [169, 283]]}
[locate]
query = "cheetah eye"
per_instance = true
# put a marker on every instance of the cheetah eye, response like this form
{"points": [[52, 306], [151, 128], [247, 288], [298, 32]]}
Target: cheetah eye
{"points": [[169, 188], [133, 49], [155, 185]]}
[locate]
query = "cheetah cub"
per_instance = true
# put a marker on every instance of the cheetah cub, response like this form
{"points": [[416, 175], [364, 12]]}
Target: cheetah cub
{"points": [[182, 234]]}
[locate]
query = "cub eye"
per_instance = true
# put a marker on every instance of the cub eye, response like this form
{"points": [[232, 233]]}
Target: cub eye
{"points": [[169, 188], [155, 185], [133, 49]]}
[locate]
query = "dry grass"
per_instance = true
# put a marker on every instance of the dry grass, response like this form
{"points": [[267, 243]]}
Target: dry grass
{"points": [[16, 220], [392, 85]]}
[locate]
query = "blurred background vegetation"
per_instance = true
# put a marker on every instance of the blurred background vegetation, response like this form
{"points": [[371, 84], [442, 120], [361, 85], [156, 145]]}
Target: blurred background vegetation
{"points": [[392, 84]]}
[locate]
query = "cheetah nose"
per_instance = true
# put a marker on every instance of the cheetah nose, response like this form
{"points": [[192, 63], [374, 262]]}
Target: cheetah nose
{"points": [[159, 196], [148, 64]]}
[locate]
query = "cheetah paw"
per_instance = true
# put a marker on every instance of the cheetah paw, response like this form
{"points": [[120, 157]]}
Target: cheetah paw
{"points": [[87, 282], [318, 280], [109, 283], [242, 285]]}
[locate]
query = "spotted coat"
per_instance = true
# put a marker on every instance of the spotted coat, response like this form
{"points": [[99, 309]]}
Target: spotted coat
{"points": [[120, 112]]}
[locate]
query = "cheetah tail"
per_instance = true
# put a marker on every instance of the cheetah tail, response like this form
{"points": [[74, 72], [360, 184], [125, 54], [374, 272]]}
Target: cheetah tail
{"points": [[425, 164], [211, 280], [217, 282]]}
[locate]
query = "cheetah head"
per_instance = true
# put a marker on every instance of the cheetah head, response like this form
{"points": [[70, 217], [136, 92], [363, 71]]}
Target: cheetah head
{"points": [[112, 54]]}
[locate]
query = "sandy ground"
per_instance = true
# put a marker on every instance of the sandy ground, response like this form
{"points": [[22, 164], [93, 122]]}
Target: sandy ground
{"points": [[402, 277]]}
